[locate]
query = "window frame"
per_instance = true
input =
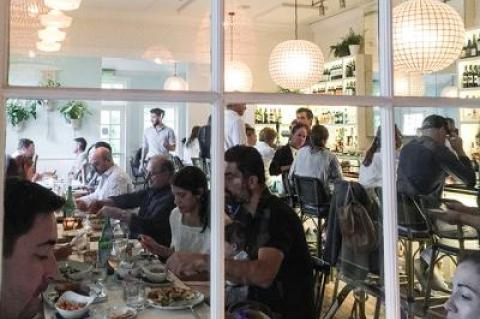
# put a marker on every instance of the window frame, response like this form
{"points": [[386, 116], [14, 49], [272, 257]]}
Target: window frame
{"points": [[218, 98]]}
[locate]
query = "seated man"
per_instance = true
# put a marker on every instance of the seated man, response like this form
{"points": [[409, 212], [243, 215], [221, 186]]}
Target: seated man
{"points": [[113, 181], [26, 160], [30, 233], [155, 203], [279, 269]]}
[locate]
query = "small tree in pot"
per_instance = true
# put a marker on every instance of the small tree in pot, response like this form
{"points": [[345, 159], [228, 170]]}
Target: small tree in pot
{"points": [[73, 112], [20, 111]]}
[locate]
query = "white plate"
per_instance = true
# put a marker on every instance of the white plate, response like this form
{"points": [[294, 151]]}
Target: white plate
{"points": [[177, 305], [121, 310]]}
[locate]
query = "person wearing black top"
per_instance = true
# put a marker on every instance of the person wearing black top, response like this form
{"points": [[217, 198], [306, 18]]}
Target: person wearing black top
{"points": [[425, 162], [283, 157], [155, 203], [279, 270]]}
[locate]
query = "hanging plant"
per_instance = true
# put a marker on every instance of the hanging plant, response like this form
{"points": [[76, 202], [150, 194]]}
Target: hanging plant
{"points": [[20, 111], [74, 111]]}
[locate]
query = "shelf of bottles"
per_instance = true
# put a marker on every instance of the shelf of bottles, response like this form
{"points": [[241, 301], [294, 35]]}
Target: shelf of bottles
{"points": [[342, 128], [271, 116], [468, 66]]}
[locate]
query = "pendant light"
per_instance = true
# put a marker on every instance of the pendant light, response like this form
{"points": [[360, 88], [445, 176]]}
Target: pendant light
{"points": [[296, 64], [428, 36], [50, 34], [55, 19], [238, 76], [63, 5], [175, 82], [48, 46]]}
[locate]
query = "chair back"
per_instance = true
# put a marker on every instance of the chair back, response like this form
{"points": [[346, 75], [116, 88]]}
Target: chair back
{"points": [[289, 189], [312, 196], [198, 162]]}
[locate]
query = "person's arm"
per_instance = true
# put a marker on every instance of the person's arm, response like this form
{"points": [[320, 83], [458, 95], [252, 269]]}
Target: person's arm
{"points": [[275, 164], [115, 213], [460, 167], [458, 218], [144, 151], [171, 143], [129, 200]]}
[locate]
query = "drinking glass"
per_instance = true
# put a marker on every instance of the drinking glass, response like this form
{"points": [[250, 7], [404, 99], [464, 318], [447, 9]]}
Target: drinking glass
{"points": [[119, 248], [134, 292]]}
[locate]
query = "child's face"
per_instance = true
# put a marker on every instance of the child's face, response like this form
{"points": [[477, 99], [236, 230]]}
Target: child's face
{"points": [[464, 303]]}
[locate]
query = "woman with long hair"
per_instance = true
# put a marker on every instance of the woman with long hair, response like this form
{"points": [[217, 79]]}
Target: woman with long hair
{"points": [[191, 146], [370, 175], [189, 221], [316, 160], [285, 155]]}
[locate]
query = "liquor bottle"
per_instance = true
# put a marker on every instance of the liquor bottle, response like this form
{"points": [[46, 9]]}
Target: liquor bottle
{"points": [[265, 116], [279, 116], [69, 206], [465, 77], [470, 76], [474, 49], [345, 117], [105, 244], [469, 48], [475, 76], [478, 45], [463, 54]]}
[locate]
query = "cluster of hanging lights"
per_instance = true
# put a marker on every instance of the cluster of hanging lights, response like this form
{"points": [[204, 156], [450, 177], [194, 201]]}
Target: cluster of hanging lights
{"points": [[51, 36]]}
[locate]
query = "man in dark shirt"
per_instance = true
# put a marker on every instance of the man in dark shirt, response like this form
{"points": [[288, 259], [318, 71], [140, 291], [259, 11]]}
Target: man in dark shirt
{"points": [[425, 162], [155, 203], [279, 269]]}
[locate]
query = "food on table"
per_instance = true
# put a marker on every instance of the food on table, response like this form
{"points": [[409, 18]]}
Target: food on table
{"points": [[70, 305], [168, 295], [122, 315]]}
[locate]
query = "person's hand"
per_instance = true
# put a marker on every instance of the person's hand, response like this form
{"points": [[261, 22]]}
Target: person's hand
{"points": [[115, 213], [457, 206], [95, 206], [187, 264], [152, 246], [449, 216], [81, 205], [457, 145]]}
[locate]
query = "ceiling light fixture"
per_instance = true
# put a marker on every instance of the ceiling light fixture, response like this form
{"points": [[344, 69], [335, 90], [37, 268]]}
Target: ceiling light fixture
{"points": [[175, 82], [63, 5], [48, 46], [238, 76], [55, 19], [428, 36], [50, 34], [296, 64]]}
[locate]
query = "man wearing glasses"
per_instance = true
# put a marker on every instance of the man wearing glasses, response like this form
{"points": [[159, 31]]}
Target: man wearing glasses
{"points": [[155, 203]]}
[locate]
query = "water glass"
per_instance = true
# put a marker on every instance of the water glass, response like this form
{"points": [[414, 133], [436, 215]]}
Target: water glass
{"points": [[119, 248], [134, 293]]}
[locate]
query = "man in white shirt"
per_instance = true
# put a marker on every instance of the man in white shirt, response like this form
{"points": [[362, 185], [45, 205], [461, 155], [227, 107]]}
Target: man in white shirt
{"points": [[234, 125], [81, 158], [158, 139], [113, 181]]}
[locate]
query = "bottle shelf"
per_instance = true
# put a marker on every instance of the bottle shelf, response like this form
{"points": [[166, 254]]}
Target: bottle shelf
{"points": [[475, 59]]}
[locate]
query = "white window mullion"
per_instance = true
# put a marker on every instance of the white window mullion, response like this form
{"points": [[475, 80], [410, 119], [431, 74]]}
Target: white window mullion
{"points": [[217, 261], [389, 190]]}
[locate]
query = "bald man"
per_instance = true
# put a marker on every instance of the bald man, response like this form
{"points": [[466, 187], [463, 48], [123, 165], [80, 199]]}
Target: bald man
{"points": [[113, 181], [155, 203]]}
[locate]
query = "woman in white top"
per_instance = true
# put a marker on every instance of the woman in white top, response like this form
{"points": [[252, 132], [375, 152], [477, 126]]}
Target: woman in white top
{"points": [[266, 148], [316, 160], [191, 147], [189, 220], [370, 175]]}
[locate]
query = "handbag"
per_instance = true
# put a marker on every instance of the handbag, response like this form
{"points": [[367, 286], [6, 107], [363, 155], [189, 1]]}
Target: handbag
{"points": [[356, 225]]}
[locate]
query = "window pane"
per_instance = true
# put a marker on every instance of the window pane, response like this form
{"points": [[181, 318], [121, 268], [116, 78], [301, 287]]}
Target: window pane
{"points": [[116, 146], [104, 131], [115, 117], [114, 131], [105, 117]]}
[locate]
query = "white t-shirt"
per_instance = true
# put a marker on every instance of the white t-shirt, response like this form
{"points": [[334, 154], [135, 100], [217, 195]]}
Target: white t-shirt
{"points": [[235, 133], [191, 151], [371, 176], [267, 153], [186, 238]]}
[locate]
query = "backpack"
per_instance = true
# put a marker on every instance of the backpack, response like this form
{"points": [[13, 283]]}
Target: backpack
{"points": [[356, 225]]}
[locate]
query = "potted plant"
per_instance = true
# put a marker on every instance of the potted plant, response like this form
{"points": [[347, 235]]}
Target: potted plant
{"points": [[19, 111], [73, 112], [353, 41], [340, 49], [49, 105]]}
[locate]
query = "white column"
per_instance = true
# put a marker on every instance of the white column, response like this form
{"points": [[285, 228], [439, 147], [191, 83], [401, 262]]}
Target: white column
{"points": [[390, 235], [217, 262]]}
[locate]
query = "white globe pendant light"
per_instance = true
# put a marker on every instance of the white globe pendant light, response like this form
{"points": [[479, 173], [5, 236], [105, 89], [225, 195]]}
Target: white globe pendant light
{"points": [[48, 46], [409, 84], [50, 34], [428, 36], [238, 76], [296, 64], [63, 5], [55, 19], [175, 82]]}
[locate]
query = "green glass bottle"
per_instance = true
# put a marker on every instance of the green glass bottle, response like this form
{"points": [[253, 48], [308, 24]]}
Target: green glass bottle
{"points": [[105, 244], [69, 207]]}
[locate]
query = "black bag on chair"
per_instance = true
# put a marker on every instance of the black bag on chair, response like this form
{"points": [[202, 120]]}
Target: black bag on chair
{"points": [[356, 225]]}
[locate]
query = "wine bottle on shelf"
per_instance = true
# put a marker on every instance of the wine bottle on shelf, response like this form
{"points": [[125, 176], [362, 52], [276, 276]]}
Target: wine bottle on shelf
{"points": [[265, 116], [470, 76], [474, 49], [469, 48], [463, 54], [465, 77], [478, 45]]}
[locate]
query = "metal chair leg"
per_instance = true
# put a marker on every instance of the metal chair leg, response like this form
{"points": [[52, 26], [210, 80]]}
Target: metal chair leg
{"points": [[338, 300], [431, 269]]}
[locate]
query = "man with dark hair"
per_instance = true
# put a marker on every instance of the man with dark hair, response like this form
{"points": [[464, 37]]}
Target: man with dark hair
{"points": [[155, 203], [81, 159], [305, 116], [30, 233], [158, 139], [234, 125], [113, 180], [425, 162], [279, 272], [251, 135]]}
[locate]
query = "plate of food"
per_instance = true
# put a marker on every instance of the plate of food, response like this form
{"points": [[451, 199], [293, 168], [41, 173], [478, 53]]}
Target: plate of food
{"points": [[71, 305], [121, 312], [74, 269], [173, 298], [56, 289]]}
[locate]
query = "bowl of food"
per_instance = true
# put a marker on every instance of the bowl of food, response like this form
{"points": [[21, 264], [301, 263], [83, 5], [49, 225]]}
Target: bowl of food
{"points": [[71, 305], [121, 312], [74, 270], [155, 272]]}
